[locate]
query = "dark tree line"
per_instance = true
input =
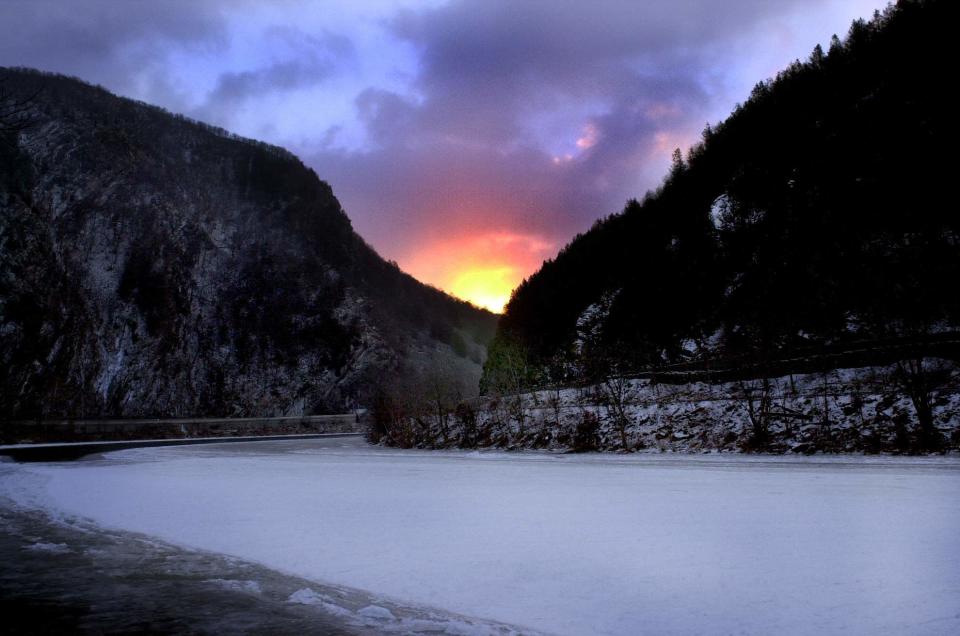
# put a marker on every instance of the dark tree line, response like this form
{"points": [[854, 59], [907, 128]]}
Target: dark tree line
{"points": [[819, 212]]}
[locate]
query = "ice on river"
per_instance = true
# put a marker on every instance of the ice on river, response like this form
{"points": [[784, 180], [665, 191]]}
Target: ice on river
{"points": [[557, 543]]}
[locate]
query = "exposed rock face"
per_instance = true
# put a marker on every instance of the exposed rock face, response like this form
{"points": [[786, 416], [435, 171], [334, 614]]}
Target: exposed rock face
{"points": [[150, 265]]}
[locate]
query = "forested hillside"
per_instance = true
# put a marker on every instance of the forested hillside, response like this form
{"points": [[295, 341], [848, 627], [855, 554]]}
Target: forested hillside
{"points": [[818, 216], [152, 265]]}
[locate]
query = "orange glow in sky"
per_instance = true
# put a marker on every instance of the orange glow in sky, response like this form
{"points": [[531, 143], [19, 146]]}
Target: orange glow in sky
{"points": [[483, 269], [483, 265], [488, 288]]}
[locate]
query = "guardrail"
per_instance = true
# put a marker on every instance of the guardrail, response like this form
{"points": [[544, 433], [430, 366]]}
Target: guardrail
{"points": [[76, 450], [67, 430]]}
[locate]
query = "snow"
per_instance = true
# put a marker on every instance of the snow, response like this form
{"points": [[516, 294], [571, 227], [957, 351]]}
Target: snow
{"points": [[52, 548], [307, 596], [383, 620], [110, 371], [377, 612], [234, 585], [591, 320], [719, 209], [565, 544], [843, 410]]}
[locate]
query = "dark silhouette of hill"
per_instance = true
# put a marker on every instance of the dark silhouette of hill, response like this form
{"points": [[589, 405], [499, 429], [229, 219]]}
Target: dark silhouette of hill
{"points": [[154, 265], [820, 213]]}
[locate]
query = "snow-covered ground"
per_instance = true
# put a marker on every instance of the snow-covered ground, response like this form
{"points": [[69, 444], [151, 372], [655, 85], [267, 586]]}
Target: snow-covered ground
{"points": [[569, 544], [862, 409]]}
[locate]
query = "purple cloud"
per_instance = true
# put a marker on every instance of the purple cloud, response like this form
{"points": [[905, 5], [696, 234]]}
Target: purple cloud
{"points": [[509, 124]]}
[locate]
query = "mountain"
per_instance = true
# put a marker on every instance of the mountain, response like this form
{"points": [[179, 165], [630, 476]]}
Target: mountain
{"points": [[154, 265], [816, 218]]}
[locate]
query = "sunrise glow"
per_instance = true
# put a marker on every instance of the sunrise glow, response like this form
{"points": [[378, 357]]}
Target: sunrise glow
{"points": [[488, 288], [412, 112], [482, 268]]}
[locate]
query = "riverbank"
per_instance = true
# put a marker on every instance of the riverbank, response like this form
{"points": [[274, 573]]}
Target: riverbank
{"points": [[559, 543], [77, 578], [858, 411]]}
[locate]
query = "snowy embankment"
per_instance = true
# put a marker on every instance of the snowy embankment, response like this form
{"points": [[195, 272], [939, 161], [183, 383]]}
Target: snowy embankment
{"points": [[846, 410], [568, 544]]}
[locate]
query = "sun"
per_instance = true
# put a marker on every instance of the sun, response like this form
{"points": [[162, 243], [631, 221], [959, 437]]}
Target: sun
{"points": [[489, 288]]}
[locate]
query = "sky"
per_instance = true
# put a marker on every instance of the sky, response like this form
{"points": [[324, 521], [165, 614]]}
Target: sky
{"points": [[468, 140]]}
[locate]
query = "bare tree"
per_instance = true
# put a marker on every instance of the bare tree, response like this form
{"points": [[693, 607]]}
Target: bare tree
{"points": [[826, 403], [443, 391], [466, 415], [616, 390], [918, 378], [510, 377], [757, 397], [555, 402]]}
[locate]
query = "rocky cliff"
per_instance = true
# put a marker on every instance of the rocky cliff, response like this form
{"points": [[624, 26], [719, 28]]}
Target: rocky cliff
{"points": [[153, 265]]}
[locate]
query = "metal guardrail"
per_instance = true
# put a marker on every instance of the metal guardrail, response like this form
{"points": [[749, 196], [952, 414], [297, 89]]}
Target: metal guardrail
{"points": [[175, 423], [74, 430], [76, 450]]}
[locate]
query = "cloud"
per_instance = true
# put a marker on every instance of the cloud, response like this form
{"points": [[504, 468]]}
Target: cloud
{"points": [[443, 124], [305, 61], [538, 117], [122, 45]]}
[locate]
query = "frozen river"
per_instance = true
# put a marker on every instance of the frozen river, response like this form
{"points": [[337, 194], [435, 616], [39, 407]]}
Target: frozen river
{"points": [[568, 544]]}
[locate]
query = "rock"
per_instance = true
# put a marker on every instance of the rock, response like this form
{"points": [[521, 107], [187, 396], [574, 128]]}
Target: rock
{"points": [[156, 266]]}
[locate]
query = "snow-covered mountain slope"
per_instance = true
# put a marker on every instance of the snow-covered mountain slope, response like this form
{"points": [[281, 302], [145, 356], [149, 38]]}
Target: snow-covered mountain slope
{"points": [[152, 265]]}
